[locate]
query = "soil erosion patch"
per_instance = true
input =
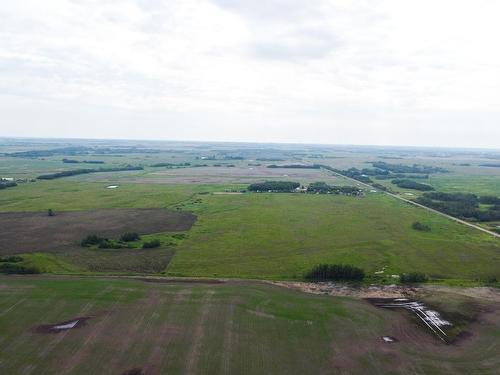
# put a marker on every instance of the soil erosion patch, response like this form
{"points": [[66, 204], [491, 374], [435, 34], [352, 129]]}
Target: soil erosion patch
{"points": [[36, 231]]}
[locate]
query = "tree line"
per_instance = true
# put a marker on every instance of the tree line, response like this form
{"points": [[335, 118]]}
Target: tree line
{"points": [[313, 187], [74, 161], [463, 205], [7, 184], [75, 172], [410, 184], [401, 168], [335, 272], [274, 186], [324, 188]]}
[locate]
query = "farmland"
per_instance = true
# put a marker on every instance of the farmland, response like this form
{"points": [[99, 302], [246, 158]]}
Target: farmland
{"points": [[140, 311], [35, 231], [214, 328], [266, 235], [283, 235]]}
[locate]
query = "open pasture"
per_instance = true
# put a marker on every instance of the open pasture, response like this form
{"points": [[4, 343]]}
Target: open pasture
{"points": [[219, 328], [283, 235]]}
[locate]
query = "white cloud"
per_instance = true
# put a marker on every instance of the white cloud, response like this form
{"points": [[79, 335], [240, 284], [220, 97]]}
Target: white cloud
{"points": [[384, 71]]}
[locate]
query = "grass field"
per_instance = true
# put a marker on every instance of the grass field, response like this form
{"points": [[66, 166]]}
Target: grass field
{"points": [[272, 235], [69, 195], [283, 235], [231, 328]]}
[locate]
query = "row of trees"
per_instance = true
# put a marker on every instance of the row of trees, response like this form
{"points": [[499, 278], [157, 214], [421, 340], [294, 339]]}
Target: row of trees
{"points": [[335, 272], [74, 161], [82, 150], [401, 168], [354, 173], [75, 172], [347, 272], [314, 187], [463, 205], [170, 165], [324, 188], [274, 186], [7, 184], [410, 184]]}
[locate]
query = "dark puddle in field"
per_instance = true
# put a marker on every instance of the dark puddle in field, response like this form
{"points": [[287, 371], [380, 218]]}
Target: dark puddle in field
{"points": [[430, 318], [62, 326], [134, 371]]}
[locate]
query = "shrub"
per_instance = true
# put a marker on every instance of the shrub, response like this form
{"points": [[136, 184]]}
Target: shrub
{"points": [[413, 277], [335, 272], [12, 268], [421, 227], [492, 280], [50, 212], [107, 244], [92, 240], [129, 237], [151, 244], [12, 259], [179, 236]]}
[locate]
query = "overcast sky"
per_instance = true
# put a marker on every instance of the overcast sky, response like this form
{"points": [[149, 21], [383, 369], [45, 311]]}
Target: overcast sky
{"points": [[404, 72]]}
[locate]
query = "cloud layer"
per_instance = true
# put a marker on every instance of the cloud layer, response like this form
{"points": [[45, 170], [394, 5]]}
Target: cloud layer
{"points": [[364, 72]]}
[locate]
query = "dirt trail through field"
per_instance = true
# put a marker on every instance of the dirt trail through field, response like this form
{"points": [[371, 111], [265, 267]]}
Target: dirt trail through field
{"points": [[9, 309], [228, 338], [84, 351], [127, 342], [199, 332], [164, 337]]}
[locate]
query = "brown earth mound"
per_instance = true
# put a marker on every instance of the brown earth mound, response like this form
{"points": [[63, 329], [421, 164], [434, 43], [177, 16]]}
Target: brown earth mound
{"points": [[24, 232]]}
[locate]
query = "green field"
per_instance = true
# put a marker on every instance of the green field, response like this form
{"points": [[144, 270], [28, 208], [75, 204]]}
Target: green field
{"points": [[232, 328], [270, 235], [283, 235], [225, 323]]}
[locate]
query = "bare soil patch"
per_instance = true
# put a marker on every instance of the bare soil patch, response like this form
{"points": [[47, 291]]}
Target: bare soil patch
{"points": [[24, 232], [334, 289], [74, 323]]}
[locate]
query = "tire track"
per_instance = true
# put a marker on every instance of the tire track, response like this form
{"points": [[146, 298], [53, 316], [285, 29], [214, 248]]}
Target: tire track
{"points": [[199, 333]]}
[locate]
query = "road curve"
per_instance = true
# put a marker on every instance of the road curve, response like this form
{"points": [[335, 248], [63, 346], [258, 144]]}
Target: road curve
{"points": [[424, 207]]}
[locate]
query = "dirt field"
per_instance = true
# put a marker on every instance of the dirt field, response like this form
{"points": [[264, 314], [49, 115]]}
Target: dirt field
{"points": [[236, 175], [24, 232]]}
